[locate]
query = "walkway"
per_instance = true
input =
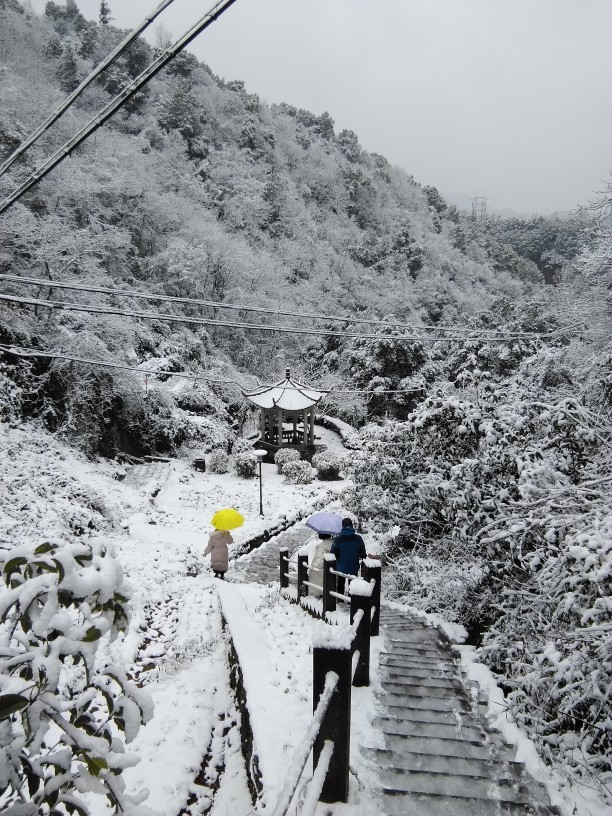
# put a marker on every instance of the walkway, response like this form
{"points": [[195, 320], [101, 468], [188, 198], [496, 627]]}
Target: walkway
{"points": [[442, 758], [441, 755], [261, 565]]}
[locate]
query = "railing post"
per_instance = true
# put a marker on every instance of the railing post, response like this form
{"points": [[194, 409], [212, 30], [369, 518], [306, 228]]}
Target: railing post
{"points": [[329, 584], [302, 575], [336, 722], [284, 567], [372, 570], [361, 598]]}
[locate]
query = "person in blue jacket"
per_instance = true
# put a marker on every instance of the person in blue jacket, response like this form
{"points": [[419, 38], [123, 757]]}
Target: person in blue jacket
{"points": [[349, 549]]}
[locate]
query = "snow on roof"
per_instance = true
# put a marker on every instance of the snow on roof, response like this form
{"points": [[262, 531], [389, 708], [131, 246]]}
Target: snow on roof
{"points": [[288, 394]]}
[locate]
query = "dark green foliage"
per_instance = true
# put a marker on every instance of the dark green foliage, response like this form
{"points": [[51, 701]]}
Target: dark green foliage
{"points": [[349, 145], [54, 48], [105, 14], [68, 70], [66, 18], [178, 110], [547, 242], [435, 200], [182, 65]]}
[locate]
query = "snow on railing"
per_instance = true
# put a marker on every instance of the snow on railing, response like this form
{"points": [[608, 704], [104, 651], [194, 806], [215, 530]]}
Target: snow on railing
{"points": [[303, 752], [343, 652], [370, 571]]}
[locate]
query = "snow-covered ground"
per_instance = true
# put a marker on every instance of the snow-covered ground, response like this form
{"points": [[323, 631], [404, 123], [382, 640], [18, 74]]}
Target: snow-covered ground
{"points": [[157, 517]]}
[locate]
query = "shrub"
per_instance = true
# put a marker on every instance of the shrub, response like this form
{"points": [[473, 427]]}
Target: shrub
{"points": [[219, 461], [241, 446], [284, 456], [62, 706], [298, 472], [328, 465], [245, 464]]}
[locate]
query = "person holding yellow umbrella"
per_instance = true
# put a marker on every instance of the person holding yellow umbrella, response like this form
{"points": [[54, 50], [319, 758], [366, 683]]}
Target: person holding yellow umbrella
{"points": [[223, 521]]}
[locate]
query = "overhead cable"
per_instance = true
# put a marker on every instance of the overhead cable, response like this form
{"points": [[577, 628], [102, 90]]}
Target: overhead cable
{"points": [[55, 115], [22, 352], [215, 304], [235, 324], [127, 93]]}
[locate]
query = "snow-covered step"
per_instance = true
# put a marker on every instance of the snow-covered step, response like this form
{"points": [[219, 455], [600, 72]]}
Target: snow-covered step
{"points": [[413, 714], [411, 678], [401, 638], [448, 747], [403, 804], [440, 731], [453, 785], [413, 663], [488, 767], [429, 688], [412, 701]]}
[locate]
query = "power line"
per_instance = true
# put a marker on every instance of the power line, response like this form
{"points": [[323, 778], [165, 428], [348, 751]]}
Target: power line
{"points": [[202, 321], [127, 93], [237, 307], [18, 351], [23, 352], [55, 115]]}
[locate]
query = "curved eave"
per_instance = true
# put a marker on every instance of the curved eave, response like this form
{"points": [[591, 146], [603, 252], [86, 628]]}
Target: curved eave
{"points": [[288, 395]]}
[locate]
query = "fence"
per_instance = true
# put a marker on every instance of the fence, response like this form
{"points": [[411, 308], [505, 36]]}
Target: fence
{"points": [[370, 571], [341, 659]]}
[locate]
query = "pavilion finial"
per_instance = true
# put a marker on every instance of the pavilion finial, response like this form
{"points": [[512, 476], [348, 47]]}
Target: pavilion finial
{"points": [[287, 373]]}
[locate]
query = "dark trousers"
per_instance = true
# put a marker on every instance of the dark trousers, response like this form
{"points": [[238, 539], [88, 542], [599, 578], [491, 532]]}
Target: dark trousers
{"points": [[340, 582], [219, 574]]}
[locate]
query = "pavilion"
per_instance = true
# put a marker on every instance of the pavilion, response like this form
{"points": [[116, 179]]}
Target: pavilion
{"points": [[287, 413]]}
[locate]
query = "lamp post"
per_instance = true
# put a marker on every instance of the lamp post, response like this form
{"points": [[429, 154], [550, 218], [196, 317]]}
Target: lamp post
{"points": [[260, 453]]}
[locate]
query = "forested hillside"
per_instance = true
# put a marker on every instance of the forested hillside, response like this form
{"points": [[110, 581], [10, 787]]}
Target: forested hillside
{"points": [[484, 455]]}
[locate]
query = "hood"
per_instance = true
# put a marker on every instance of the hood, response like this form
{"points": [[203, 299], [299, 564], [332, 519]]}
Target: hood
{"points": [[348, 531]]}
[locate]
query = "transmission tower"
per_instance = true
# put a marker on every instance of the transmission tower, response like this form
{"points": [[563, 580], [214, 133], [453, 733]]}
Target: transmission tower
{"points": [[479, 208]]}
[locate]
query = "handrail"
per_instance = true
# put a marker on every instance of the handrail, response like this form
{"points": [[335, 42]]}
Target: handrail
{"points": [[342, 574], [318, 779], [304, 749], [357, 618]]}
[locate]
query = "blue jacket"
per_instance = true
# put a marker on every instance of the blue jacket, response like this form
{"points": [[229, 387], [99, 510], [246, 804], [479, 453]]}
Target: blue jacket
{"points": [[348, 548]]}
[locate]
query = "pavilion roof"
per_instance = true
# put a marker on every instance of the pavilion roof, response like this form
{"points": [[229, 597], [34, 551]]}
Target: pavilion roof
{"points": [[288, 394]]}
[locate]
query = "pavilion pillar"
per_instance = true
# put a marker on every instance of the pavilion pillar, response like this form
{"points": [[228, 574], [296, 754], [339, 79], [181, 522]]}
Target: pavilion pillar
{"points": [[294, 436], [305, 428], [280, 427], [311, 428]]}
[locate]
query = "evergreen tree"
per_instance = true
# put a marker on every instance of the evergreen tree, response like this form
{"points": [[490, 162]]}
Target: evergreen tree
{"points": [[105, 15], [67, 70]]}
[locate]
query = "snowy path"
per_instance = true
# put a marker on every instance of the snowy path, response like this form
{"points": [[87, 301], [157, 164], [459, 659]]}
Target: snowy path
{"points": [[441, 756], [262, 565]]}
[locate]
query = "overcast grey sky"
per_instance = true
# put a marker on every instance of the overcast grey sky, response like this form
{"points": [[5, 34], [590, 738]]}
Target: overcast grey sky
{"points": [[504, 98]]}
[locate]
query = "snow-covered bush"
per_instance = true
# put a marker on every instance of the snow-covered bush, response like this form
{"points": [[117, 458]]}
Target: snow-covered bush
{"points": [[327, 465], [241, 445], [284, 456], [245, 464], [219, 461], [298, 472], [61, 708]]}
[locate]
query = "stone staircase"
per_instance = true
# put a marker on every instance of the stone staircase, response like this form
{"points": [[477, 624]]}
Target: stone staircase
{"points": [[441, 756]]}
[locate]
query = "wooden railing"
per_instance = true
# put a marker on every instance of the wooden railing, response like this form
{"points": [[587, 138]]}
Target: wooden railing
{"points": [[370, 571], [344, 656]]}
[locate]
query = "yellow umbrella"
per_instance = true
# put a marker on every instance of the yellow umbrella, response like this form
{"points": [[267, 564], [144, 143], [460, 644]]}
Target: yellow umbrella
{"points": [[227, 519]]}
